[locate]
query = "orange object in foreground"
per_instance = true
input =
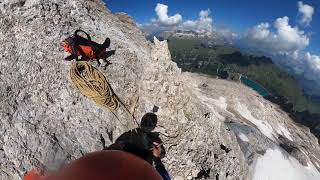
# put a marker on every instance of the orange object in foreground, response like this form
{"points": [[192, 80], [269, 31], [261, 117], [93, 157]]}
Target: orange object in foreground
{"points": [[105, 165], [32, 175]]}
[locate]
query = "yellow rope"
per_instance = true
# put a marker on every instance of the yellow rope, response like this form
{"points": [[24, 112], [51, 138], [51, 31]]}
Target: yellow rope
{"points": [[93, 84]]}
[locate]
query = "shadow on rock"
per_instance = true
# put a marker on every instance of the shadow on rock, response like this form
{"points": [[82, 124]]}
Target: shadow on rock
{"points": [[140, 141]]}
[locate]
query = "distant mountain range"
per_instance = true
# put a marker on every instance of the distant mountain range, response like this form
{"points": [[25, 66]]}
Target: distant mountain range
{"points": [[208, 39], [212, 55]]}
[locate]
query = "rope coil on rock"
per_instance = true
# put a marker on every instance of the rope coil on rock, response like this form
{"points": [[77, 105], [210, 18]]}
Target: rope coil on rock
{"points": [[93, 84]]}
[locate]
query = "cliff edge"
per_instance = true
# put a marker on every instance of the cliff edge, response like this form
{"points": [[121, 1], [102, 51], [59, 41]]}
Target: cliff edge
{"points": [[211, 128]]}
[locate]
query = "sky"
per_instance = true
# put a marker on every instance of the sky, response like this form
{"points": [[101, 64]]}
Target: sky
{"points": [[237, 15], [288, 31]]}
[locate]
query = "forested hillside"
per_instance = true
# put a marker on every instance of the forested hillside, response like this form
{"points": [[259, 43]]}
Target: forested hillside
{"points": [[228, 62]]}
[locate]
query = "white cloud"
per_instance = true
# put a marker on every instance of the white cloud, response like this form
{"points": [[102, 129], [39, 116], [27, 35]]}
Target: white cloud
{"points": [[286, 46], [227, 35], [285, 39], [164, 22], [284, 43], [164, 19], [310, 68], [313, 62], [305, 13], [201, 25], [291, 36], [260, 32]]}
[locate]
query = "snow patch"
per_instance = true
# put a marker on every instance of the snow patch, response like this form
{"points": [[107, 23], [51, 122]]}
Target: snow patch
{"points": [[264, 127], [243, 137], [273, 165], [221, 102], [283, 131], [210, 102], [261, 104]]}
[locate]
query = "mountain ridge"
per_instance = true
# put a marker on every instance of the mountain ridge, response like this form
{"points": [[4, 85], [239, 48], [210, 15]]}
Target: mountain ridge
{"points": [[210, 127]]}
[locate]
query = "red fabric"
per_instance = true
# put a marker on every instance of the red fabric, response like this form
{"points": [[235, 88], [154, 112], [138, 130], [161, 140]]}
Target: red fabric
{"points": [[106, 165], [32, 175], [82, 50], [86, 51], [67, 47]]}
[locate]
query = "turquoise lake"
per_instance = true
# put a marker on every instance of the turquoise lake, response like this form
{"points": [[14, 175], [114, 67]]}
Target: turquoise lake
{"points": [[255, 86]]}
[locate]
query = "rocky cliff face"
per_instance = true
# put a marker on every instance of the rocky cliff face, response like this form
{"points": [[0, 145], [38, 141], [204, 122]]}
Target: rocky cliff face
{"points": [[211, 128]]}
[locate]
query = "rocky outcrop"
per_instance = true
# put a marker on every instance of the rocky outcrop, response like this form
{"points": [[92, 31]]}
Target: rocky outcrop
{"points": [[211, 128]]}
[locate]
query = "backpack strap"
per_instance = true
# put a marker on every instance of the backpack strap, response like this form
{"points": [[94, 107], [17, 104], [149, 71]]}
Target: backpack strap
{"points": [[76, 34], [77, 40], [97, 48]]}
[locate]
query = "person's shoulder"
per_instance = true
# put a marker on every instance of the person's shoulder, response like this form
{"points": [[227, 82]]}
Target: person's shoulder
{"points": [[128, 134]]}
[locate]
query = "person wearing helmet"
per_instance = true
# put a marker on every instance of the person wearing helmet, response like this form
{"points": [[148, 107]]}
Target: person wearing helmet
{"points": [[144, 143], [130, 157]]}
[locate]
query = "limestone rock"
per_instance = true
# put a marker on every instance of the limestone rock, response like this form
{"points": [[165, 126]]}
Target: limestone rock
{"points": [[211, 128]]}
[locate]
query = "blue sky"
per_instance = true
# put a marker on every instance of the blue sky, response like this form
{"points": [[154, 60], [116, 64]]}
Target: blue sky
{"points": [[288, 31], [235, 15]]}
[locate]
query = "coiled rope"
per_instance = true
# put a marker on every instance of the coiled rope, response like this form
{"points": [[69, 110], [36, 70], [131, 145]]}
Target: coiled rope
{"points": [[93, 84]]}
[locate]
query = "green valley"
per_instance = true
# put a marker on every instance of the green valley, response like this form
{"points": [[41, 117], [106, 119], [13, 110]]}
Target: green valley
{"points": [[193, 55]]}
